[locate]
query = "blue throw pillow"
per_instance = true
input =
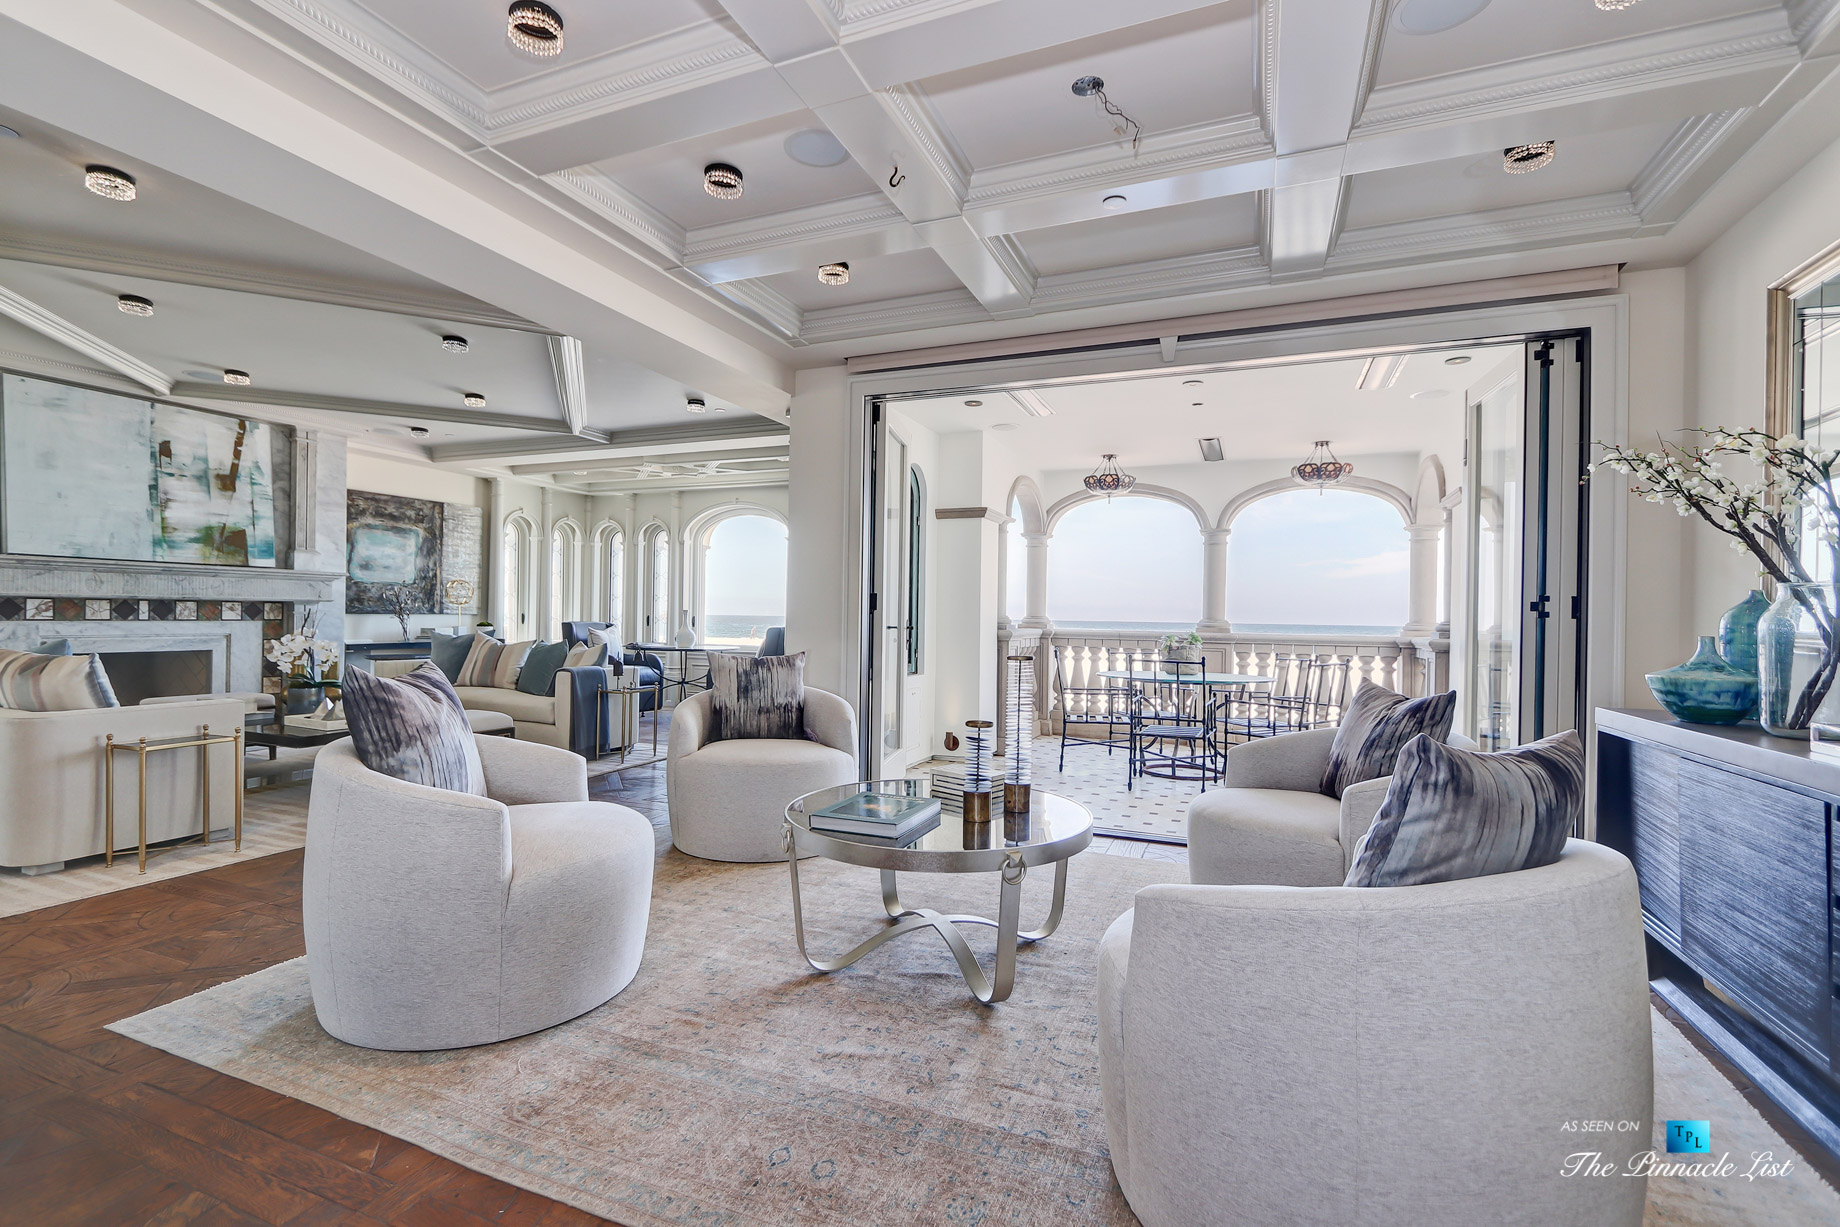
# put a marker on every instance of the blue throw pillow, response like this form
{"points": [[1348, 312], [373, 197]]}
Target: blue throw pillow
{"points": [[538, 675], [448, 653]]}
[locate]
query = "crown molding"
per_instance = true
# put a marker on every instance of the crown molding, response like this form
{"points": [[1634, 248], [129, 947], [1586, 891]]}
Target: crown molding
{"points": [[1691, 145], [13, 361], [938, 310], [611, 202], [1610, 215], [1170, 278], [913, 113], [1711, 49], [1812, 21], [379, 49], [81, 341], [180, 271], [571, 381], [1014, 262], [775, 309]]}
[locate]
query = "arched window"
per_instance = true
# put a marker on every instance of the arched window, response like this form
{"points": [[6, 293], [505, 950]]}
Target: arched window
{"points": [[741, 584], [1309, 560], [517, 572], [656, 576], [612, 559], [1126, 562], [565, 572]]}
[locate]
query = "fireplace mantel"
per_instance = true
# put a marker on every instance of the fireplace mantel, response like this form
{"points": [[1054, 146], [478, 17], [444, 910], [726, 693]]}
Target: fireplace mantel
{"points": [[29, 575]]}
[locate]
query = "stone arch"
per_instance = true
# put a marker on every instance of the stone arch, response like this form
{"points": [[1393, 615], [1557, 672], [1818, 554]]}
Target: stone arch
{"points": [[1429, 490], [1386, 492], [1024, 491], [1140, 490]]}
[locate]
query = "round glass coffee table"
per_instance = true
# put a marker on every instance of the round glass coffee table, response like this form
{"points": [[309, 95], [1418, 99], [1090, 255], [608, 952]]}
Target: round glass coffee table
{"points": [[1009, 845]]}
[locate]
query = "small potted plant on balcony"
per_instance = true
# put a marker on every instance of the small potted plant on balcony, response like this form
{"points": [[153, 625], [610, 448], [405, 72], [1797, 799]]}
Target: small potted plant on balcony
{"points": [[1180, 652]]}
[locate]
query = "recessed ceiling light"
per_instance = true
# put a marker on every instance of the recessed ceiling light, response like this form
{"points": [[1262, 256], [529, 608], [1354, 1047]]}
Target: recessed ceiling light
{"points": [[109, 183], [1616, 6], [696, 404], [1195, 405], [1519, 159], [974, 404], [8, 134], [1211, 449], [722, 181], [1431, 394], [1003, 426], [534, 28], [1113, 203], [1191, 383], [1435, 16], [473, 400], [718, 409], [453, 344], [834, 274], [134, 304], [1457, 360], [815, 147], [239, 378]]}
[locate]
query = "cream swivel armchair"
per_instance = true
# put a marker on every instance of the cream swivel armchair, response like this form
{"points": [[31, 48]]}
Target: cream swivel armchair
{"points": [[1390, 1057], [441, 919], [728, 798], [1271, 824]]}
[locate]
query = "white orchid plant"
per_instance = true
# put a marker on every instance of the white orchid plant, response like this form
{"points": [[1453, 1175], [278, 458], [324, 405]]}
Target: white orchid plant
{"points": [[302, 656], [1787, 517]]}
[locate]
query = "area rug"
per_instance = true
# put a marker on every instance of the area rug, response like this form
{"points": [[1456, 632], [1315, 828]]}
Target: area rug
{"points": [[728, 1085], [274, 820]]}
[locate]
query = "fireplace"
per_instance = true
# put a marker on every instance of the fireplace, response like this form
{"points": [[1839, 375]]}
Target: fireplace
{"points": [[150, 675]]}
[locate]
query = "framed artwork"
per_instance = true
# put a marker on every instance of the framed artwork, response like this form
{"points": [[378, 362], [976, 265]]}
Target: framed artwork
{"points": [[393, 550]]}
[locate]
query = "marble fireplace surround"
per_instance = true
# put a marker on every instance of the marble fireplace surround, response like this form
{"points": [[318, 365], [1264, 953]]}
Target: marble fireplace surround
{"points": [[235, 647]]}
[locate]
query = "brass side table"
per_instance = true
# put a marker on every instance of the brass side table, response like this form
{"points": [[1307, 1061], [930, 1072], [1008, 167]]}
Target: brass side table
{"points": [[630, 716], [203, 741]]}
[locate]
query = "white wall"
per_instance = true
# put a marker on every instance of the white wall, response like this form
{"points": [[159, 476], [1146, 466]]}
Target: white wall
{"points": [[821, 570], [409, 479]]}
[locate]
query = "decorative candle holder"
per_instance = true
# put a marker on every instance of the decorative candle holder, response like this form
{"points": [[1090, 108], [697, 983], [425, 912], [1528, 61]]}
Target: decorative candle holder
{"points": [[1020, 715], [977, 770]]}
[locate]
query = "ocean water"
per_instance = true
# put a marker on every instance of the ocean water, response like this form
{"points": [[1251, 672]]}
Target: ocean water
{"points": [[751, 628]]}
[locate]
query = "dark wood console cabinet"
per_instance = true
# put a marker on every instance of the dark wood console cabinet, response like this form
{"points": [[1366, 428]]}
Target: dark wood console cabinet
{"points": [[1735, 837]]}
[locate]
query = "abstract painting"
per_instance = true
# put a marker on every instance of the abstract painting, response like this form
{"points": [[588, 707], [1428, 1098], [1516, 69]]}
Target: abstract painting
{"points": [[462, 540], [393, 546], [89, 474]]}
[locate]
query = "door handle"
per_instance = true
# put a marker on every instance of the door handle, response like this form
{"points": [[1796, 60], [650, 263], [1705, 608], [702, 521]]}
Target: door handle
{"points": [[1539, 607]]}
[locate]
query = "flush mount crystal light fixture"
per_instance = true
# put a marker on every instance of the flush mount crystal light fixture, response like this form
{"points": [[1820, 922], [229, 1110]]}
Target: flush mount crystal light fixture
{"points": [[109, 183], [473, 400], [1616, 6], [534, 28], [974, 404], [696, 404], [834, 274], [1320, 468], [1108, 479], [453, 344], [1520, 159], [239, 378], [722, 181], [134, 304]]}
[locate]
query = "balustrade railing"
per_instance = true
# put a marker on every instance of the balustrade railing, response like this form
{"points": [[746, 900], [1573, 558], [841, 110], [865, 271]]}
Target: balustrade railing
{"points": [[1410, 666]]}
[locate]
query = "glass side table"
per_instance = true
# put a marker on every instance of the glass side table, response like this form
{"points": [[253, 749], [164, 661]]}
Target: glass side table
{"points": [[202, 741], [630, 693]]}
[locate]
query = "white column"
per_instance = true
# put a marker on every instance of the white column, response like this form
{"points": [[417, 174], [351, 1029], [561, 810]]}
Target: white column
{"points": [[546, 614], [1422, 582], [1447, 569], [1003, 549], [1214, 582], [1037, 544]]}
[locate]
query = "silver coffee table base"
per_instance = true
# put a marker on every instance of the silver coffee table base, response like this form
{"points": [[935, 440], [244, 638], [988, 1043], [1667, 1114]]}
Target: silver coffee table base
{"points": [[1054, 831]]}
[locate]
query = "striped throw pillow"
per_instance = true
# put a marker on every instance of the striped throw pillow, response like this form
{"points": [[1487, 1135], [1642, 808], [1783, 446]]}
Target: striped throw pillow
{"points": [[492, 663], [1375, 726], [413, 728], [33, 682], [757, 696], [585, 656]]}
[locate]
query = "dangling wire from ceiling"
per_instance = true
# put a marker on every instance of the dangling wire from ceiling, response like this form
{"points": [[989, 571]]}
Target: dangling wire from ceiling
{"points": [[1094, 87]]}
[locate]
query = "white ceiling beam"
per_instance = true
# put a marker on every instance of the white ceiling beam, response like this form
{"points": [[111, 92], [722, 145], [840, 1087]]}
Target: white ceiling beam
{"points": [[378, 408], [768, 452], [70, 336], [742, 430], [571, 381], [1317, 56]]}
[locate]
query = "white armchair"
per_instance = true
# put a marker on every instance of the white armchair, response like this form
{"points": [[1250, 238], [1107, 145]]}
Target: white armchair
{"points": [[1271, 825], [728, 798], [440, 919], [1359, 1057]]}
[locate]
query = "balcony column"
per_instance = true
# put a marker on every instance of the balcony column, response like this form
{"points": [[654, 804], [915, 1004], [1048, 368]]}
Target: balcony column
{"points": [[1447, 563], [1214, 582], [1422, 580], [1037, 613], [1004, 546]]}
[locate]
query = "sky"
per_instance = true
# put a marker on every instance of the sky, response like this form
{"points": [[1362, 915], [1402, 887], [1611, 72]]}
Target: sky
{"points": [[747, 568], [1302, 558]]}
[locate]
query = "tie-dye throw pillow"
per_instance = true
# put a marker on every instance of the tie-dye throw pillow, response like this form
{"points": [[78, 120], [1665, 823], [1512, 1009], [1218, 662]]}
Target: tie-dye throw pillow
{"points": [[413, 728]]}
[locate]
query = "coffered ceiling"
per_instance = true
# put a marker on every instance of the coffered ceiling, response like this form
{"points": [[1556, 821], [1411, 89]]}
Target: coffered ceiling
{"points": [[406, 151]]}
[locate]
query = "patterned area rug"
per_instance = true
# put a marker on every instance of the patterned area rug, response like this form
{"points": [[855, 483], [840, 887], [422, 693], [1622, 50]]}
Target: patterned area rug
{"points": [[728, 1085]]}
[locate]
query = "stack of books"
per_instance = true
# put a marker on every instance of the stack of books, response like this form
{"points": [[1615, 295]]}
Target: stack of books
{"points": [[880, 815]]}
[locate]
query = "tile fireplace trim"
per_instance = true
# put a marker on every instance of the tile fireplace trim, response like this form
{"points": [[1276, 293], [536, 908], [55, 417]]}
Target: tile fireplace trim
{"points": [[235, 647], [27, 575]]}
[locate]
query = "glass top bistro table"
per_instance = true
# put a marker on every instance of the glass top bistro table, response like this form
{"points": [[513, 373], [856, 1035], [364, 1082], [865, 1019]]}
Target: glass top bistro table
{"points": [[1009, 845]]}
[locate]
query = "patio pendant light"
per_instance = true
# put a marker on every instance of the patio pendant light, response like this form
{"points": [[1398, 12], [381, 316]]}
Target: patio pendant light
{"points": [[1320, 468], [1108, 479]]}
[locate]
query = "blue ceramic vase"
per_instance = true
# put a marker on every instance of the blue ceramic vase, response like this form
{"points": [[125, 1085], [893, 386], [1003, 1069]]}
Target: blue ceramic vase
{"points": [[1707, 689], [1738, 632]]}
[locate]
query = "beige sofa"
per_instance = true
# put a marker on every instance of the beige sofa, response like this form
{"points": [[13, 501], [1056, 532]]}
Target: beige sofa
{"points": [[51, 779], [541, 718]]}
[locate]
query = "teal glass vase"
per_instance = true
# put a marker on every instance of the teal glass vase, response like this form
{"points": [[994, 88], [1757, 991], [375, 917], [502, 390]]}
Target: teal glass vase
{"points": [[1707, 689], [1738, 632]]}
